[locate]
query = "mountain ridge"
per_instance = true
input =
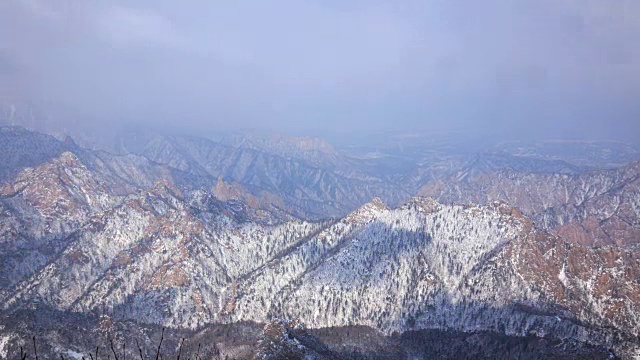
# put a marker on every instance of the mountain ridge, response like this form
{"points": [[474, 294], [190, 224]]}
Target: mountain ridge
{"points": [[86, 232]]}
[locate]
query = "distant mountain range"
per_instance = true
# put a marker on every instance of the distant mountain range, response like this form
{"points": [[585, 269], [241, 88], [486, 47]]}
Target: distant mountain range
{"points": [[598, 207], [201, 235]]}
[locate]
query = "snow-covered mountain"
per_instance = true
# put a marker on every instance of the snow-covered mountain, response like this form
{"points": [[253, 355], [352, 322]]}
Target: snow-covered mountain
{"points": [[306, 188], [164, 238], [597, 207]]}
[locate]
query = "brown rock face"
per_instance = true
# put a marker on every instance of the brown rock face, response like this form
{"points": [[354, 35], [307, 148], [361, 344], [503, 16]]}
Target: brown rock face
{"points": [[225, 191], [598, 285]]}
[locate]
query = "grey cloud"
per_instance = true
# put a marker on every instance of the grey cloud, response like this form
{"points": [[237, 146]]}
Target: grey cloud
{"points": [[547, 67], [123, 26]]}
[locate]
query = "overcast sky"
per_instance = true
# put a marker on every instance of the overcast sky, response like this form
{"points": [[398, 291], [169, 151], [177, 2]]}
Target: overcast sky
{"points": [[554, 68]]}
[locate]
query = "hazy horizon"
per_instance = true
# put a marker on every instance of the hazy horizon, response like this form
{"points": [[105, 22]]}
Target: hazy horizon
{"points": [[520, 70]]}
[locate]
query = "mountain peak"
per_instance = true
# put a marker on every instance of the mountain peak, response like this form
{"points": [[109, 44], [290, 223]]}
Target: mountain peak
{"points": [[422, 204], [378, 203], [367, 212]]}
